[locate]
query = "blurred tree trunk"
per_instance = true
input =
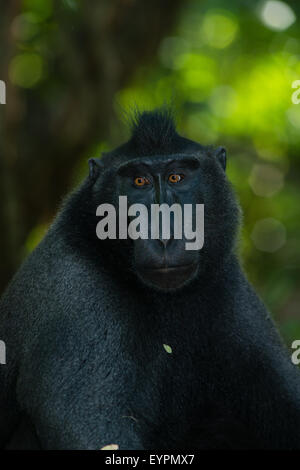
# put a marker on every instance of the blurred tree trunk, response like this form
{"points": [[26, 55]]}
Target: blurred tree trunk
{"points": [[90, 51]]}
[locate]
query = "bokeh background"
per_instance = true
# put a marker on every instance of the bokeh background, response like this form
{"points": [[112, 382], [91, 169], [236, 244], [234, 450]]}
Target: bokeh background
{"points": [[73, 69]]}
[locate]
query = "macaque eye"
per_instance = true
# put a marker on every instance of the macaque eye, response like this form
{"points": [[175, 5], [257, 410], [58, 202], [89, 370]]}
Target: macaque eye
{"points": [[175, 178], [141, 181]]}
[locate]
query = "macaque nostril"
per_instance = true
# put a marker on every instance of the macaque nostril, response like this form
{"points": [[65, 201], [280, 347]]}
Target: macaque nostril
{"points": [[165, 241]]}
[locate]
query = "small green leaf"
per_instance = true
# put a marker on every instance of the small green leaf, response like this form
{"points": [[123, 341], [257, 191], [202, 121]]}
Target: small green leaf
{"points": [[168, 348]]}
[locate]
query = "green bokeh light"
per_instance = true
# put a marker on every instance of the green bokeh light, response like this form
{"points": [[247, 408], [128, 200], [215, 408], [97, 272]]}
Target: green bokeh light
{"points": [[26, 70], [41, 8], [219, 29]]}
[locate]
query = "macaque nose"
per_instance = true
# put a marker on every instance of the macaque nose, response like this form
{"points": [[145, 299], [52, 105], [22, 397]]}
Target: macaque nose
{"points": [[165, 241]]}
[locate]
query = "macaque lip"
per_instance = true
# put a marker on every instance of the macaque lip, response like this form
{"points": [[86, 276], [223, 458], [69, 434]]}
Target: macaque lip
{"points": [[167, 269], [168, 277]]}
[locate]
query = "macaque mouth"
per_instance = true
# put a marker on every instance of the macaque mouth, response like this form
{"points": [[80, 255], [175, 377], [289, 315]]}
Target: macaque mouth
{"points": [[167, 269], [168, 277]]}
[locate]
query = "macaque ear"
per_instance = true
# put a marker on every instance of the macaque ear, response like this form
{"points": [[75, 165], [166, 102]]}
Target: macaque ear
{"points": [[95, 166], [220, 155]]}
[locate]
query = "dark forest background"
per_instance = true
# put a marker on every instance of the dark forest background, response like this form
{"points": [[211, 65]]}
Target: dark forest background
{"points": [[74, 68]]}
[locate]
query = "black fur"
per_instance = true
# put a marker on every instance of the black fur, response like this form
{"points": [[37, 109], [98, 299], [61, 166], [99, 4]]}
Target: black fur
{"points": [[86, 362]]}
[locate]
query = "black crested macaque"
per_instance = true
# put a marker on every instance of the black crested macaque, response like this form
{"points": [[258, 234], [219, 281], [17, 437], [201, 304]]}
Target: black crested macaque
{"points": [[142, 343]]}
